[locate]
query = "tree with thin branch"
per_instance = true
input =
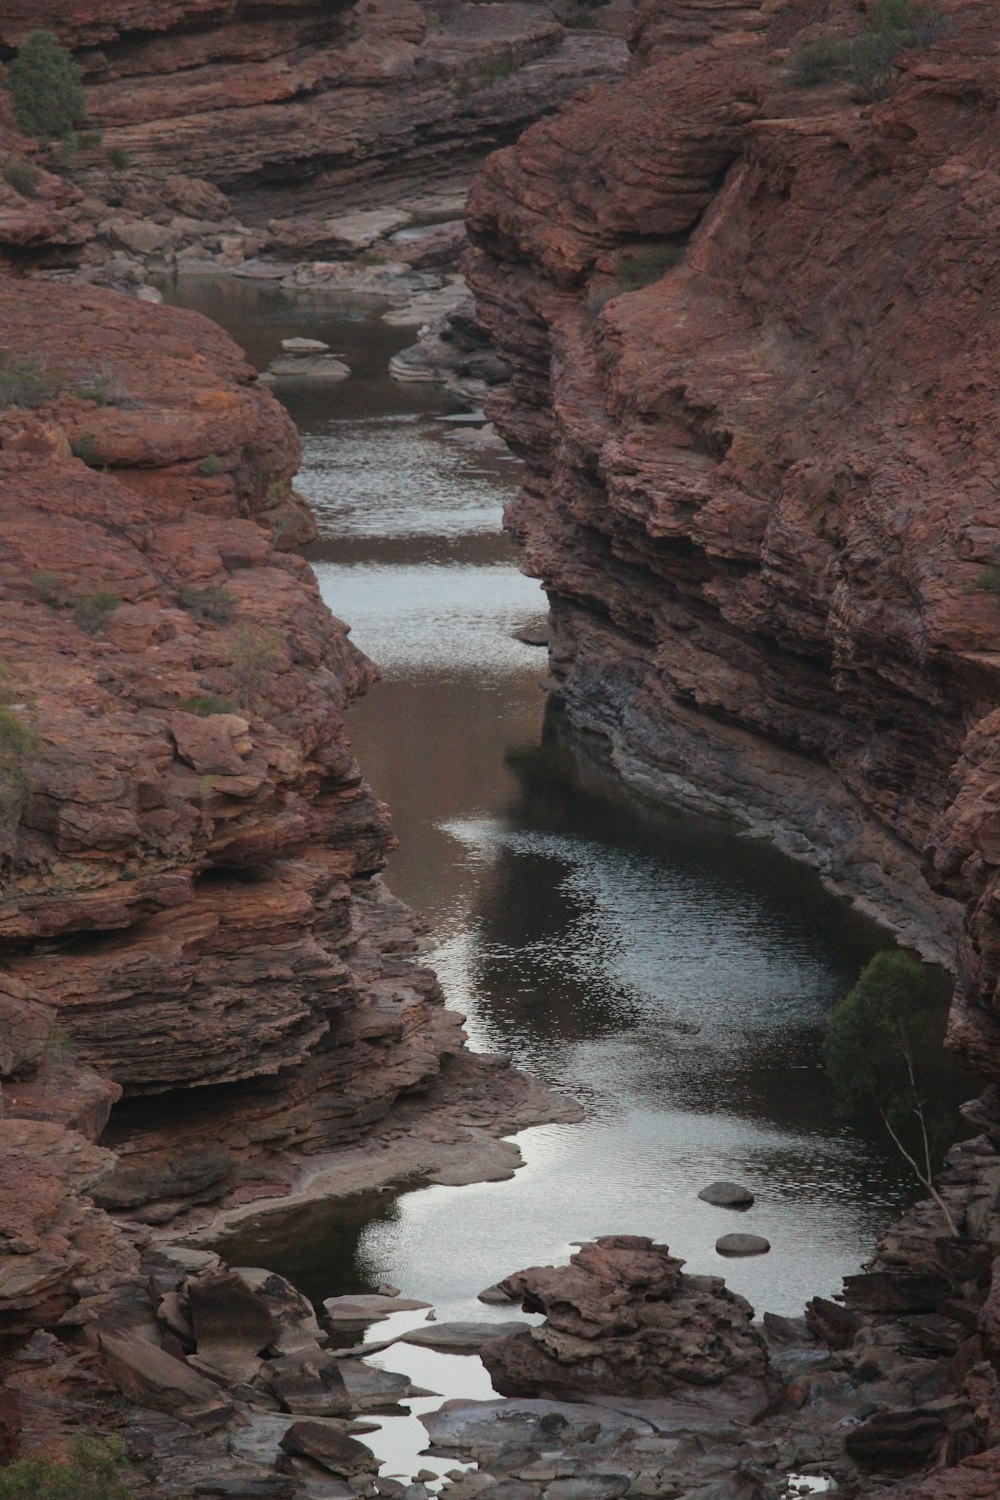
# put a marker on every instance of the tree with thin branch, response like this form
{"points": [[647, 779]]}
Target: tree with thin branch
{"points": [[883, 1049]]}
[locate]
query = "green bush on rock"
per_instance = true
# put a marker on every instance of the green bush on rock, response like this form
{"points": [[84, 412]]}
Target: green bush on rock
{"points": [[91, 1472], [46, 87]]}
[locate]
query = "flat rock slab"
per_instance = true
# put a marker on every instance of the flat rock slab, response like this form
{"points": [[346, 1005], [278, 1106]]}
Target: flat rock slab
{"points": [[727, 1195], [742, 1244], [370, 1309], [488, 1426], [333, 1450], [368, 1387], [495, 1296], [309, 367], [589, 1487], [460, 1338], [305, 346], [152, 1377]]}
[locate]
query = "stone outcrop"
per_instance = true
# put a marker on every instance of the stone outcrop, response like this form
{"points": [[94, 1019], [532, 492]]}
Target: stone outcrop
{"points": [[301, 106], [759, 486], [623, 1319]]}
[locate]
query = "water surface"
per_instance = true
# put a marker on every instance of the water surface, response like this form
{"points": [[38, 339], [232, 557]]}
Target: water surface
{"points": [[669, 972]]}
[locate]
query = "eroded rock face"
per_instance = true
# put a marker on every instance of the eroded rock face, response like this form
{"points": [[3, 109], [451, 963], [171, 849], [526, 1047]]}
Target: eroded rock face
{"points": [[190, 893], [760, 488], [342, 97], [622, 1319]]}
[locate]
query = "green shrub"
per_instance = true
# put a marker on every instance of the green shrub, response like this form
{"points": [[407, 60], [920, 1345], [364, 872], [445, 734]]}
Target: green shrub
{"points": [[989, 579], [822, 61], [23, 176], [210, 465], [257, 652], [85, 447], [884, 1049], [867, 60], [641, 267], [93, 611], [494, 69], [91, 1472], [118, 157], [46, 87], [49, 588], [205, 706], [213, 603], [26, 382], [19, 746]]}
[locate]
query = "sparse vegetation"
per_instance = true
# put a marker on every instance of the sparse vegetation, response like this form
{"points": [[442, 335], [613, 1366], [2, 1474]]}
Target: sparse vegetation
{"points": [[257, 652], [92, 1471], [84, 447], [87, 139], [646, 264], [205, 706], [212, 603], [93, 611], [210, 465], [884, 1050], [26, 382], [118, 157], [989, 579], [23, 176], [49, 588], [867, 60], [495, 69], [46, 88], [18, 748]]}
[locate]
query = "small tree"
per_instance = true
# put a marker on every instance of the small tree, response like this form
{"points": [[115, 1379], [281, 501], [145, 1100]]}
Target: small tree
{"points": [[46, 87], [883, 1047]]}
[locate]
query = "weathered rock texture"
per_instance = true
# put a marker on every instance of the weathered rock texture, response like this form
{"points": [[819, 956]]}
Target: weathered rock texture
{"points": [[762, 488], [190, 906], [343, 97], [623, 1319]]}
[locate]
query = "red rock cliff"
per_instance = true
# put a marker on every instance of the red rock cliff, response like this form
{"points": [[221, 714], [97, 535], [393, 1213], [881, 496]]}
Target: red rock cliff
{"points": [[763, 488], [315, 102]]}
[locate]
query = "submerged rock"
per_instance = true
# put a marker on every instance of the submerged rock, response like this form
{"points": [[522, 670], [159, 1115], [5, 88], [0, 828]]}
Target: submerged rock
{"points": [[742, 1244], [727, 1195]]}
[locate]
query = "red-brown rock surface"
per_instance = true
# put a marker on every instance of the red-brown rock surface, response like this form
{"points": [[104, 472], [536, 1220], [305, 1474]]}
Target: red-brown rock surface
{"points": [[761, 489], [622, 1319], [190, 904], [339, 98]]}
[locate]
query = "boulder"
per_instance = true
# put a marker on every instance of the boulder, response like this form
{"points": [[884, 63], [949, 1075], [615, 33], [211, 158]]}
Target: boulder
{"points": [[622, 1319], [742, 1244], [232, 1325], [333, 1450], [727, 1195], [152, 1377], [459, 1338]]}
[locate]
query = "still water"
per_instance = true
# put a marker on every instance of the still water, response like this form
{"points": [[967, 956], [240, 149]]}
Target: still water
{"points": [[671, 974]]}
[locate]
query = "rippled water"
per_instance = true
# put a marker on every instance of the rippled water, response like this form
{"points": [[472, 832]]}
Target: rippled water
{"points": [[670, 973]]}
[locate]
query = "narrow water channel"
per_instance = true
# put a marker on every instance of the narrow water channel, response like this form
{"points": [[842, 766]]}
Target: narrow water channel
{"points": [[670, 973]]}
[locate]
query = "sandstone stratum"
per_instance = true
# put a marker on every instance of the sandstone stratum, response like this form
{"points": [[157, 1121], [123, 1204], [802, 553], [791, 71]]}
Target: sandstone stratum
{"points": [[762, 497]]}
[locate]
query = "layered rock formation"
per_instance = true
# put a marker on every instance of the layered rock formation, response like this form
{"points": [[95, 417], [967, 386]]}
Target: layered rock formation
{"points": [[190, 905], [315, 103], [623, 1319], [761, 485]]}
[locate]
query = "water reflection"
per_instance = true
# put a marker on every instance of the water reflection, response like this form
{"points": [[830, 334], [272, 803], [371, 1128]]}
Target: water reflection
{"points": [[669, 972]]}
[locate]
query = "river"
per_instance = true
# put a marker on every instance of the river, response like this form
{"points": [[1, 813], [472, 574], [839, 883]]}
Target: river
{"points": [[669, 972]]}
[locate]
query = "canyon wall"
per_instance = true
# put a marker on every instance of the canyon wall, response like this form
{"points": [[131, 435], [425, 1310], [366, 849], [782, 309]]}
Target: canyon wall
{"points": [[762, 490], [310, 104]]}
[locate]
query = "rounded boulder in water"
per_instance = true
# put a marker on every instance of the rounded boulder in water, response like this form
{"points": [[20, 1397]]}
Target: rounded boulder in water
{"points": [[727, 1195]]}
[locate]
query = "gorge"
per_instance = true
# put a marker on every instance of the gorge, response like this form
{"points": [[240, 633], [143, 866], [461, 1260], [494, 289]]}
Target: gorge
{"points": [[757, 491]]}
